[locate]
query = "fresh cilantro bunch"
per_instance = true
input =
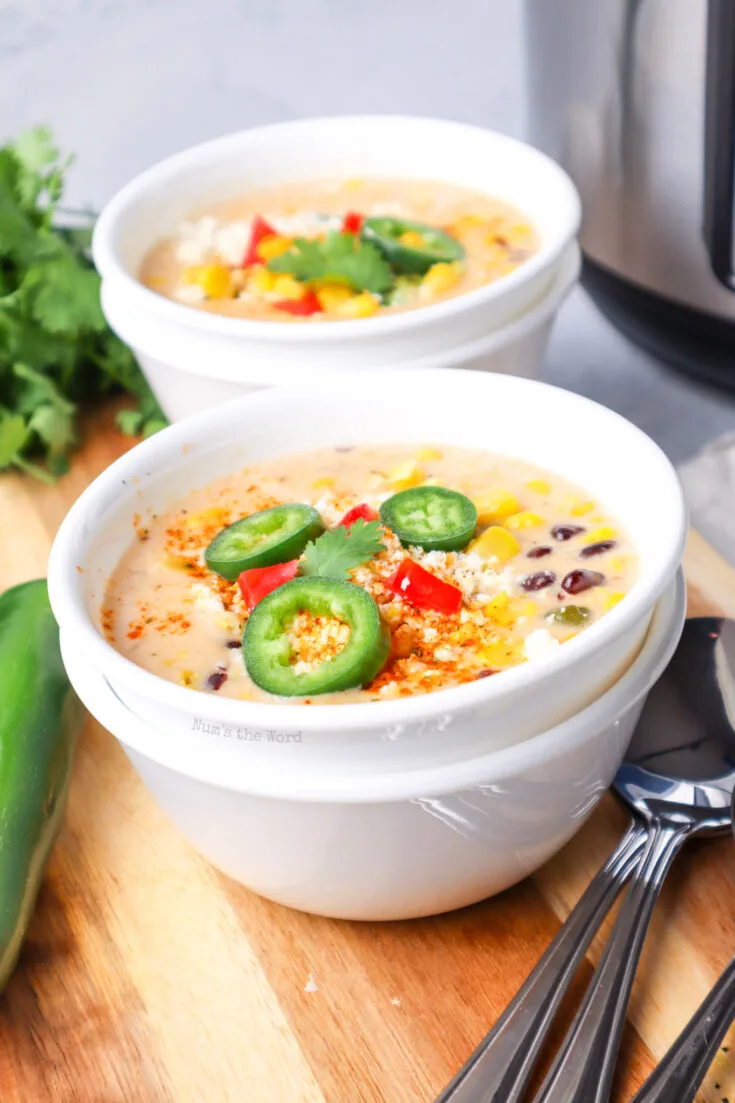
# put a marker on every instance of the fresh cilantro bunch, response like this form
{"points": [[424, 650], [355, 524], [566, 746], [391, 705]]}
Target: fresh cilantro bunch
{"points": [[336, 552], [56, 349], [339, 258]]}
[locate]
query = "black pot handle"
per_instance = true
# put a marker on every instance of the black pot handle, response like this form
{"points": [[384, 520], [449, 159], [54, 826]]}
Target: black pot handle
{"points": [[719, 141]]}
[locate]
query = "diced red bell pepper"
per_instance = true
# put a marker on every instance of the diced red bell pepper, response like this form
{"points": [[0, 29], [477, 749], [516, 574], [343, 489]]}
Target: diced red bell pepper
{"points": [[352, 223], [308, 305], [260, 230], [259, 581], [363, 511], [423, 589]]}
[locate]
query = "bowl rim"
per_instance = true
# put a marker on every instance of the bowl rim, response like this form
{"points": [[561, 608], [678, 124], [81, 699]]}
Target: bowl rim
{"points": [[65, 581], [110, 267], [419, 783]]}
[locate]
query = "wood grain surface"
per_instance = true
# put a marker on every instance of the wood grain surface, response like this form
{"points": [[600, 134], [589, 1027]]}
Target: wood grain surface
{"points": [[147, 977]]}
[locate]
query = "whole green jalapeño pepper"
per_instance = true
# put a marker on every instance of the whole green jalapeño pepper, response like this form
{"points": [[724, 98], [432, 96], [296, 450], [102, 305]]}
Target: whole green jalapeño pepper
{"points": [[40, 717]]}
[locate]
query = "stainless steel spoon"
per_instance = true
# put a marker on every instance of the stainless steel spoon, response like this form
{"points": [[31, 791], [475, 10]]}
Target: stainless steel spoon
{"points": [[677, 779], [679, 1075]]}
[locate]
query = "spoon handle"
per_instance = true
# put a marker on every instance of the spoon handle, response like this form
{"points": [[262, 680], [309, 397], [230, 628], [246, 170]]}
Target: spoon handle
{"points": [[499, 1069], [583, 1069], [683, 1068]]}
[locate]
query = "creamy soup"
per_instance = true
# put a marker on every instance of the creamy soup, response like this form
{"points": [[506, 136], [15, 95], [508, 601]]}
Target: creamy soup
{"points": [[378, 572], [331, 250]]}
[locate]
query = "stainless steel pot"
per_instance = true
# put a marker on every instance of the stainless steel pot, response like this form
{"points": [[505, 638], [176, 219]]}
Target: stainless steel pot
{"points": [[636, 98]]}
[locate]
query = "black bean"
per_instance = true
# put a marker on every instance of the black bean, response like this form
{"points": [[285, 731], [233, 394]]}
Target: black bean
{"points": [[597, 549], [538, 552], [566, 532], [232, 644], [216, 680], [576, 582], [538, 581]]}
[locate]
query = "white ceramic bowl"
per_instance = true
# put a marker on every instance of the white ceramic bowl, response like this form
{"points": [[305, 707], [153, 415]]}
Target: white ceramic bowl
{"points": [[260, 352], [396, 845], [617, 464], [517, 348]]}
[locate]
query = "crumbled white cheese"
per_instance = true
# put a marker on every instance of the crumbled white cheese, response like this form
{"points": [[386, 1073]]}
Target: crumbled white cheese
{"points": [[389, 690], [196, 239], [230, 240], [443, 654], [327, 508], [303, 223], [540, 642], [430, 634], [205, 597], [190, 293]]}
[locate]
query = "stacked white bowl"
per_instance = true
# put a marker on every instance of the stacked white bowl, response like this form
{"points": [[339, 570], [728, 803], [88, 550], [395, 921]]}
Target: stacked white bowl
{"points": [[194, 358], [402, 807]]}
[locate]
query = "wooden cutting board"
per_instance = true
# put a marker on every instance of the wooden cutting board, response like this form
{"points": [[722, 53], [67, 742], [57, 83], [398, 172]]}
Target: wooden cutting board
{"points": [[148, 977]]}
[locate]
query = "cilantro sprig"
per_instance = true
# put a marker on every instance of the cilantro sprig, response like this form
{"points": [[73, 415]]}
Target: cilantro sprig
{"points": [[335, 553], [56, 349], [339, 258]]}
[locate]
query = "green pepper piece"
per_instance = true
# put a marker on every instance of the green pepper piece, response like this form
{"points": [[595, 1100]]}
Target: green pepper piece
{"points": [[40, 717], [263, 539], [430, 517], [267, 651], [569, 616], [439, 247]]}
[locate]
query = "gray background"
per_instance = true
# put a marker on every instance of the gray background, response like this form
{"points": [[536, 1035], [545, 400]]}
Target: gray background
{"points": [[125, 82]]}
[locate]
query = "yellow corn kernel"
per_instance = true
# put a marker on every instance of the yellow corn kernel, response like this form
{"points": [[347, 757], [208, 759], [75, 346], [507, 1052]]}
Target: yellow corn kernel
{"points": [[358, 306], [326, 482], [213, 515], [175, 563], [604, 532], [286, 287], [332, 295], [496, 543], [499, 653], [523, 520], [353, 183], [539, 486], [406, 475], [186, 678], [499, 610], [466, 222], [611, 601], [577, 506], [526, 608], [413, 239], [495, 506], [261, 280], [519, 229], [273, 246], [425, 454], [214, 279], [617, 563], [441, 277]]}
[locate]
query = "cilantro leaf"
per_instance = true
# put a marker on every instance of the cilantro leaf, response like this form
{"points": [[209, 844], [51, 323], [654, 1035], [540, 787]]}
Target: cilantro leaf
{"points": [[13, 433], [340, 258], [56, 350], [335, 553]]}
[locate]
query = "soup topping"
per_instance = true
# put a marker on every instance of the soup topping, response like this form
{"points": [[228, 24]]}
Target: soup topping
{"points": [[374, 246], [368, 588]]}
